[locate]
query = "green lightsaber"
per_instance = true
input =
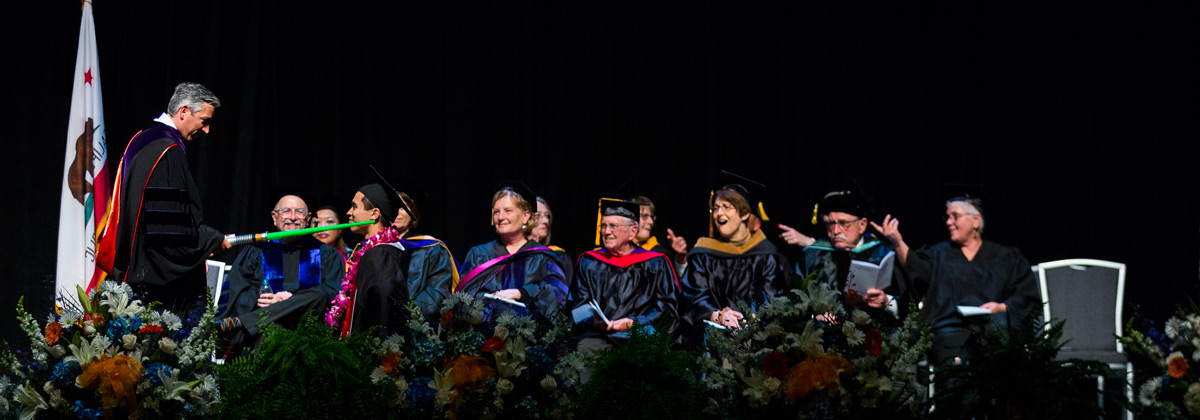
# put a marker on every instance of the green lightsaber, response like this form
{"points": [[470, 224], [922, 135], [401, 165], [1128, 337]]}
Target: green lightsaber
{"points": [[236, 240]]}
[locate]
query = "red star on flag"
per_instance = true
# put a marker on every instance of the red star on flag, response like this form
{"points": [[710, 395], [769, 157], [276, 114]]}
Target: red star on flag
{"points": [[87, 77]]}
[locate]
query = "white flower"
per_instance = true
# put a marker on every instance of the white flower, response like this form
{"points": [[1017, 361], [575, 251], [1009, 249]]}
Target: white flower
{"points": [[170, 321], [548, 383], [504, 386], [392, 344], [89, 327], [502, 332], [1173, 327], [859, 317], [121, 305], [810, 341], [31, 402], [57, 351], [771, 384], [1148, 395], [853, 335], [525, 326], [129, 340], [82, 353], [378, 375], [757, 390], [167, 345], [401, 386], [1191, 399], [173, 388], [101, 343]]}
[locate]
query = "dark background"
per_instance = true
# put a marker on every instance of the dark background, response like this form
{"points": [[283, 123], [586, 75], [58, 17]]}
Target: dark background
{"points": [[1077, 118]]}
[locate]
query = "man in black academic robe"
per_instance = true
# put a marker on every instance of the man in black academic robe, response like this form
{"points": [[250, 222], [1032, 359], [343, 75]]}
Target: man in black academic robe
{"points": [[419, 269], [626, 283], [303, 273], [844, 216], [155, 238]]}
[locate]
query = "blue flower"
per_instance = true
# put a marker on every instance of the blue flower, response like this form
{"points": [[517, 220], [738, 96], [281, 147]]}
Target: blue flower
{"points": [[63, 375], [538, 361], [428, 352], [121, 326], [152, 371], [420, 397], [85, 413]]}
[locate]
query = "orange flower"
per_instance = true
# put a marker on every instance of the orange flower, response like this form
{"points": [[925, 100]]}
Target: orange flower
{"points": [[853, 298], [53, 333], [116, 379], [470, 370], [815, 375], [150, 329], [1177, 365], [391, 362]]}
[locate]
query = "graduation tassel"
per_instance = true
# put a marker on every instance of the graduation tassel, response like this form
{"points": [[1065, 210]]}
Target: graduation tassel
{"points": [[599, 213], [763, 213], [814, 219]]}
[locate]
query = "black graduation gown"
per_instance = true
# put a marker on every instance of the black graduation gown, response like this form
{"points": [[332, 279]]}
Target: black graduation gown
{"points": [[720, 275], [311, 291], [943, 276], [392, 274], [946, 280], [161, 241], [641, 286], [538, 274]]}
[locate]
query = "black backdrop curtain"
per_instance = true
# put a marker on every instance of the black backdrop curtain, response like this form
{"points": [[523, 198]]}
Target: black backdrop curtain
{"points": [[1076, 118]]}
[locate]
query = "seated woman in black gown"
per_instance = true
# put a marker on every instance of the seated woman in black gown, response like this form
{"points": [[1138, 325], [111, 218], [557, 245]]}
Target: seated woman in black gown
{"points": [[512, 266], [543, 220], [735, 266], [963, 271]]}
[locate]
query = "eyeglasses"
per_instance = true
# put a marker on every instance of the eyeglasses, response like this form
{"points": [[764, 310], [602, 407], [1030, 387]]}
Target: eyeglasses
{"points": [[297, 211], [955, 216], [719, 207], [844, 224], [607, 226]]}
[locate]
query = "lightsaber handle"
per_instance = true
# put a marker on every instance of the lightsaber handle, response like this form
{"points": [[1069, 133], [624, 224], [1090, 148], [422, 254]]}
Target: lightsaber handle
{"points": [[236, 240]]}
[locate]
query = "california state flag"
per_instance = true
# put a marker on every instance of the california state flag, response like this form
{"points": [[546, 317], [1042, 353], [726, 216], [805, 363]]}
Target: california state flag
{"points": [[86, 183]]}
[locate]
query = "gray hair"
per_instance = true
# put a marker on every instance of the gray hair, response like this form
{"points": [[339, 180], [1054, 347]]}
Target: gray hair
{"points": [[194, 95], [970, 206]]}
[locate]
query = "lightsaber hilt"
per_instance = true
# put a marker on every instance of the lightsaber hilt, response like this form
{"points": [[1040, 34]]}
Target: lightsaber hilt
{"points": [[236, 240]]}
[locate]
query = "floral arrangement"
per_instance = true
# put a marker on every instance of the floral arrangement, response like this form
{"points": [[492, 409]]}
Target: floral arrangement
{"points": [[814, 354], [469, 365], [108, 356], [1172, 389]]}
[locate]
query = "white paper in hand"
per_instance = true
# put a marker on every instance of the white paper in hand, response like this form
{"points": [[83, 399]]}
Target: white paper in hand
{"points": [[864, 275], [973, 311]]}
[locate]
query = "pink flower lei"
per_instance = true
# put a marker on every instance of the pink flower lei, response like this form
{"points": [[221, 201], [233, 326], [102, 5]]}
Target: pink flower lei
{"points": [[342, 300]]}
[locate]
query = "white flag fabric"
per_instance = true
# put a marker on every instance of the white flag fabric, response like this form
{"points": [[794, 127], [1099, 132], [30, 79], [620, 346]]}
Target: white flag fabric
{"points": [[86, 183]]}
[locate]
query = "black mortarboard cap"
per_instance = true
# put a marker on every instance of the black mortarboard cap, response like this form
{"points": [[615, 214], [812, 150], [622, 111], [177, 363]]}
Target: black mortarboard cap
{"points": [[844, 202], [400, 204], [753, 191], [521, 189], [384, 199], [972, 193], [614, 207]]}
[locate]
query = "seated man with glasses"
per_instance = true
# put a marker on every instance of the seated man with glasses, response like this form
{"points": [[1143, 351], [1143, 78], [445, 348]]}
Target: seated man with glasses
{"points": [[625, 282], [844, 215], [302, 274]]}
